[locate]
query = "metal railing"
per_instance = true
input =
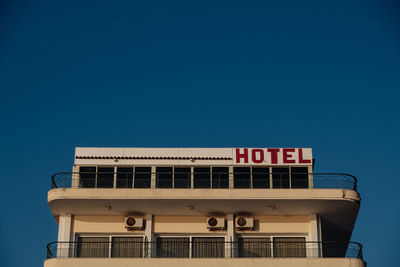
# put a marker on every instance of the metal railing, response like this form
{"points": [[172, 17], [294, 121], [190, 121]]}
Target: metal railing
{"points": [[202, 180], [205, 249]]}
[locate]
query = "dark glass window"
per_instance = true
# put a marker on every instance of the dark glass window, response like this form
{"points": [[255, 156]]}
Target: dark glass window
{"points": [[260, 177], [105, 177], [251, 247], [164, 177], [92, 247], [280, 178], [142, 177], [241, 177], [289, 247], [171, 247], [124, 177], [87, 177], [127, 247], [299, 177], [220, 177], [202, 177], [208, 247], [181, 177]]}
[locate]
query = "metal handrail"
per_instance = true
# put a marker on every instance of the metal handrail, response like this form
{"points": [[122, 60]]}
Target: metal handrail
{"points": [[269, 249], [278, 180]]}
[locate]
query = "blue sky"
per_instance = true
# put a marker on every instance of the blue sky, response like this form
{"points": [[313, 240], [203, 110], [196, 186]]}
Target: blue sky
{"points": [[320, 74]]}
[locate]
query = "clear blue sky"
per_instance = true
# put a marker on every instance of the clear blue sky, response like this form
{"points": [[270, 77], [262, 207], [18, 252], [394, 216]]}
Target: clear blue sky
{"points": [[320, 74]]}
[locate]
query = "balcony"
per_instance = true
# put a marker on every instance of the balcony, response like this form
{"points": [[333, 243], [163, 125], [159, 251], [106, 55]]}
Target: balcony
{"points": [[133, 247], [202, 180]]}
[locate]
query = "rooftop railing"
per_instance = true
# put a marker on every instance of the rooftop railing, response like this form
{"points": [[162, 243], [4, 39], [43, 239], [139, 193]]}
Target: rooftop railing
{"points": [[200, 248], [195, 180]]}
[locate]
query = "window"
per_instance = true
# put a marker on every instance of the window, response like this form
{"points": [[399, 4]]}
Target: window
{"points": [[201, 177], [280, 178], [105, 177], [181, 177], [124, 177], [260, 177], [289, 247], [124, 247], [164, 177], [299, 177], [208, 247], [220, 177], [241, 177], [142, 177], [172, 247], [87, 177], [251, 247], [92, 247]]}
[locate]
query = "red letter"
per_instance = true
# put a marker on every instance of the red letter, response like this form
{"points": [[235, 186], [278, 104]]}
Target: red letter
{"points": [[274, 155], [287, 157], [245, 155], [254, 158], [301, 160]]}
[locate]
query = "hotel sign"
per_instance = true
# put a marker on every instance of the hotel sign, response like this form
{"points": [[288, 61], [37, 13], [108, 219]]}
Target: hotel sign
{"points": [[273, 156]]}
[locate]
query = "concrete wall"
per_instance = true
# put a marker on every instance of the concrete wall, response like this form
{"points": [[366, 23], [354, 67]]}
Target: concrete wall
{"points": [[190, 224], [254, 262]]}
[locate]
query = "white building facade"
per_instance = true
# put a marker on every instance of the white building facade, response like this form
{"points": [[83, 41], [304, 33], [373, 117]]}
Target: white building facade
{"points": [[197, 206]]}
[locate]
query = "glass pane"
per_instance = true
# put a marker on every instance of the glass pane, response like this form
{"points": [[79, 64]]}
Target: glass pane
{"points": [[124, 247], [280, 177], [87, 177], [202, 177], [260, 177], [220, 177], [181, 177], [124, 177], [172, 247], [164, 177], [105, 177], [208, 247], [241, 177], [92, 247], [142, 177], [299, 177], [289, 247], [254, 247]]}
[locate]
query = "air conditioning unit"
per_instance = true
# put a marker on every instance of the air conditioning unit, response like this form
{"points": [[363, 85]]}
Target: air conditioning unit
{"points": [[134, 223], [244, 223], [215, 223]]}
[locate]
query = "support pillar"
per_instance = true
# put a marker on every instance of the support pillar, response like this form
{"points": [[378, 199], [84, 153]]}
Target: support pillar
{"points": [[64, 235], [149, 235], [230, 238]]}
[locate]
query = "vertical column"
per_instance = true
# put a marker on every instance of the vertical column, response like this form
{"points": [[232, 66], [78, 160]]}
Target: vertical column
{"points": [[153, 177], [314, 237], [310, 177], [64, 235], [231, 181], [150, 246], [230, 238], [115, 177], [192, 177], [74, 177]]}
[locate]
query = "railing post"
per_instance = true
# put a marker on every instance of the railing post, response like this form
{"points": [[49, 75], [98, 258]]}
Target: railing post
{"points": [[153, 177], [231, 178]]}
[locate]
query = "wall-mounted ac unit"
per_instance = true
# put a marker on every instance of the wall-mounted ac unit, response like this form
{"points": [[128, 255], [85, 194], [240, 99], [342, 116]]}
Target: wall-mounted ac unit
{"points": [[244, 223], [215, 223], [134, 223]]}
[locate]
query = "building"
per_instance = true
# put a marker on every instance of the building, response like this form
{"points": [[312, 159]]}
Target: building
{"points": [[202, 207]]}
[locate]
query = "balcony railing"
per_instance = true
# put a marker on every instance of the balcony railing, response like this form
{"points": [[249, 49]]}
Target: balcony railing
{"points": [[202, 180], [205, 249]]}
